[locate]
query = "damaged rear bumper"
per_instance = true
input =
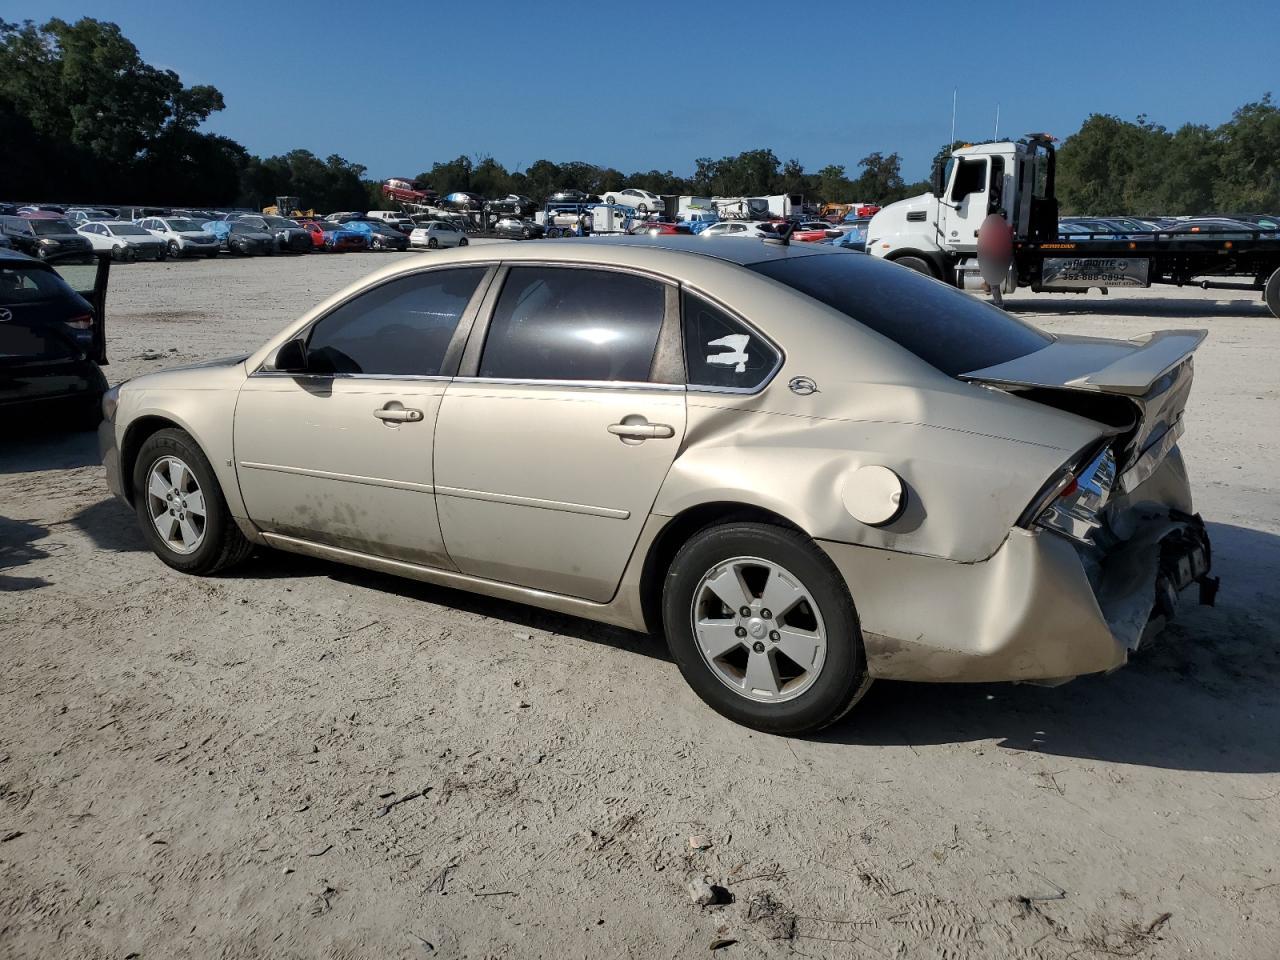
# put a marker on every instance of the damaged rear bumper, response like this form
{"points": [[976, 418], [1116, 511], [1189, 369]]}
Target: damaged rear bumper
{"points": [[1041, 608]]}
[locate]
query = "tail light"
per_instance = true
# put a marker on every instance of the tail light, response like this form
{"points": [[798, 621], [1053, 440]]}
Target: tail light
{"points": [[82, 322], [1072, 501]]}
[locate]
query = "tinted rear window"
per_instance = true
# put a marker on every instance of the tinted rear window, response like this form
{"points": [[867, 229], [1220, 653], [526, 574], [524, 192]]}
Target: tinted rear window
{"points": [[19, 284], [948, 329]]}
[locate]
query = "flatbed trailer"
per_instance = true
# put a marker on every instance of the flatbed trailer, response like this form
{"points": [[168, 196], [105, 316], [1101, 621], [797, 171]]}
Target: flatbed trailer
{"points": [[937, 234], [1145, 260]]}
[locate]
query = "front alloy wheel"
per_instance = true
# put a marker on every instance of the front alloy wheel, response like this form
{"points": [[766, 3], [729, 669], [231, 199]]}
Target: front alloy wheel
{"points": [[181, 508], [176, 504]]}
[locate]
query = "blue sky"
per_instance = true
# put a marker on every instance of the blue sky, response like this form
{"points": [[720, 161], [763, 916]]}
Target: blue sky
{"points": [[396, 86]]}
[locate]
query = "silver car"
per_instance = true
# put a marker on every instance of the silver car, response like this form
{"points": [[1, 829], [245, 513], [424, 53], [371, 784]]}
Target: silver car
{"points": [[807, 467]]}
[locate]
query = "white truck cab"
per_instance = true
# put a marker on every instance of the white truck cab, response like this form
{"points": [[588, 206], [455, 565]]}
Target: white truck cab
{"points": [[937, 232]]}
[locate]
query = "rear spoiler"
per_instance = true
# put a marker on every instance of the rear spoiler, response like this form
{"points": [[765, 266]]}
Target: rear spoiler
{"points": [[1134, 374], [1128, 367]]}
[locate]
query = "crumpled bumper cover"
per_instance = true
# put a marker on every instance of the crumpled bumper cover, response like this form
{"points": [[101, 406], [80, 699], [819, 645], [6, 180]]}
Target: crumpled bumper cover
{"points": [[1041, 608]]}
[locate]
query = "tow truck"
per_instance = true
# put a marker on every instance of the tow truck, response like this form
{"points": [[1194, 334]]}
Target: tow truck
{"points": [[937, 233]]}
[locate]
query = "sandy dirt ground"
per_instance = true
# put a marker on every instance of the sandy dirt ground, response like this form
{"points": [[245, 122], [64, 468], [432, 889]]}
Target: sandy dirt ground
{"points": [[303, 760]]}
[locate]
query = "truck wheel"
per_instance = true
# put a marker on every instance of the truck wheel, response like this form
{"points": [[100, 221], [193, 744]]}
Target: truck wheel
{"points": [[1272, 294], [918, 264]]}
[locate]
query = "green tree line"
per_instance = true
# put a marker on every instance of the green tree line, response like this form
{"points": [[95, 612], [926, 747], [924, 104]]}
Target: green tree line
{"points": [[83, 118]]}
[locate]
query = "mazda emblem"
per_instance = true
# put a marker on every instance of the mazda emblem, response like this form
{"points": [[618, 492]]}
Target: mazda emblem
{"points": [[5, 314]]}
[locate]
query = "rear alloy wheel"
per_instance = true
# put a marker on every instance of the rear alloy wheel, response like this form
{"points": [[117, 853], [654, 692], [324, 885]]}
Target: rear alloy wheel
{"points": [[433, 243], [181, 508], [762, 627]]}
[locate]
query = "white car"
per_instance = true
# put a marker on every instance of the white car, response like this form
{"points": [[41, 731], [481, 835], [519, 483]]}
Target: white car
{"points": [[182, 236], [744, 229], [642, 200], [124, 240], [437, 234]]}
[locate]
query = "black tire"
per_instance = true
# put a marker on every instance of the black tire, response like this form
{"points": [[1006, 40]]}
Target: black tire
{"points": [[842, 680], [433, 243], [223, 544], [918, 264], [1271, 293], [463, 242], [174, 250]]}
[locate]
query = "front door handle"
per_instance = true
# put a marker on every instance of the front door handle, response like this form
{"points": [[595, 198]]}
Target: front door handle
{"points": [[642, 431], [398, 414]]}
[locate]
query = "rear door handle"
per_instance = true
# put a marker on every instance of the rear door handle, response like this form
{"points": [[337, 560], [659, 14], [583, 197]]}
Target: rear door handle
{"points": [[642, 431], [398, 414]]}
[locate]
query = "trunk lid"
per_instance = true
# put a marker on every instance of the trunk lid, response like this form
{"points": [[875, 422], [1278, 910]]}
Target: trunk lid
{"points": [[1137, 387]]}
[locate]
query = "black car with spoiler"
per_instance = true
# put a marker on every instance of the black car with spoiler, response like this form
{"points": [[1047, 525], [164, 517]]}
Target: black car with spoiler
{"points": [[52, 340]]}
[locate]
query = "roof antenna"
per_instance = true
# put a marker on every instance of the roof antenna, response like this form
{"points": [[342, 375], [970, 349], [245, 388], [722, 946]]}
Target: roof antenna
{"points": [[996, 134]]}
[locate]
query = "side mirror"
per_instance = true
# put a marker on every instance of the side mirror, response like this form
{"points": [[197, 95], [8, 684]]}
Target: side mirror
{"points": [[292, 357], [939, 178]]}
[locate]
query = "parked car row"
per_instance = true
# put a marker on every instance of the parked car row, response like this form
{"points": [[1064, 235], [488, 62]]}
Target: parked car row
{"points": [[1123, 228]]}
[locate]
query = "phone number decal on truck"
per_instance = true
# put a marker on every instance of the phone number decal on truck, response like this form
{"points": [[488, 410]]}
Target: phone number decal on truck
{"points": [[1070, 273]]}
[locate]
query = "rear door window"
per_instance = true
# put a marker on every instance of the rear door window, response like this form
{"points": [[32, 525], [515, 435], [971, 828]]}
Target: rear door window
{"points": [[569, 323], [401, 328], [720, 351]]}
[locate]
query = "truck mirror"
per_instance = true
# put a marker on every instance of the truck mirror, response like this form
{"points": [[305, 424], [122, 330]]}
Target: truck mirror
{"points": [[939, 177]]}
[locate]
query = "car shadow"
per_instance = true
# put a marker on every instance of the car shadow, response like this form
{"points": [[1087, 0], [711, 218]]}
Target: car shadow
{"points": [[18, 548], [1142, 307], [1202, 696], [112, 526], [28, 449], [271, 564]]}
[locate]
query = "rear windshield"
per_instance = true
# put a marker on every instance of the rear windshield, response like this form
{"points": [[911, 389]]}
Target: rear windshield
{"points": [[19, 284], [947, 329]]}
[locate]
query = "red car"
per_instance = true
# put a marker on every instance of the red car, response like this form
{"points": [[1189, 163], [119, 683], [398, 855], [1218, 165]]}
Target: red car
{"points": [[813, 232], [407, 191], [326, 235]]}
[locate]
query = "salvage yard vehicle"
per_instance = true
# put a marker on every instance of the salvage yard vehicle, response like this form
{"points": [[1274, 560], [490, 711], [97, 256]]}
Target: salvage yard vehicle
{"points": [[184, 237], [936, 233], [740, 229], [641, 200], [437, 233], [242, 238], [807, 467], [514, 228], [124, 240], [334, 237], [378, 235], [45, 236], [52, 338], [286, 235]]}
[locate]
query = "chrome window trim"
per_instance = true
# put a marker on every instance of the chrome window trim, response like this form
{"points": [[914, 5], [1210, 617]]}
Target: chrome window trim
{"points": [[263, 373], [589, 384]]}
